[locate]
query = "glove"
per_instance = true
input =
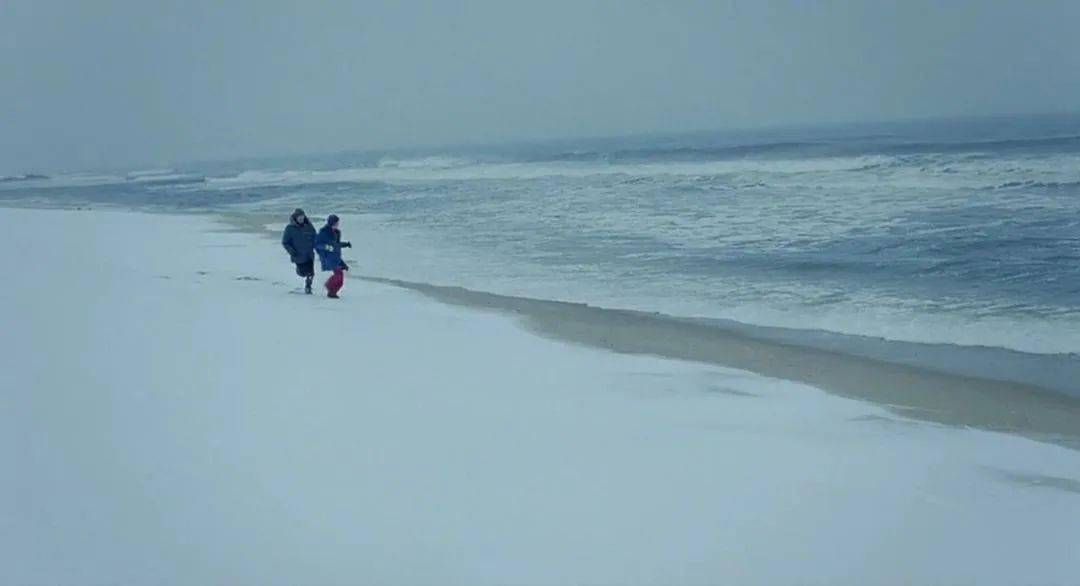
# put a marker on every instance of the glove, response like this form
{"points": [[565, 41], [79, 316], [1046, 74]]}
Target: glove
{"points": [[346, 244]]}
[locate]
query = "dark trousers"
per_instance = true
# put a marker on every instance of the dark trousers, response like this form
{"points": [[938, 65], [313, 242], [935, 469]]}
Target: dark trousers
{"points": [[306, 270]]}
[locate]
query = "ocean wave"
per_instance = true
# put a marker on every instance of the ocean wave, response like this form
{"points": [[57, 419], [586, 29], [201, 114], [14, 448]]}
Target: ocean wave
{"points": [[432, 162], [971, 247], [1033, 184], [1058, 144], [149, 173], [164, 178], [420, 171], [683, 152], [255, 178], [896, 296], [23, 177], [848, 147]]}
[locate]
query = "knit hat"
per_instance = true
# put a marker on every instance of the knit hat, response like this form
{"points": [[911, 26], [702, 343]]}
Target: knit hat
{"points": [[332, 220]]}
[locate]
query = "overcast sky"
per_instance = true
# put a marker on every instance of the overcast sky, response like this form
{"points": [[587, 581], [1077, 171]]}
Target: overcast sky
{"points": [[86, 83]]}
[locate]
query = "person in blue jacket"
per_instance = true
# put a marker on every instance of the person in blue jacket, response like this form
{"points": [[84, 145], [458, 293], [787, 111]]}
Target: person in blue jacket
{"points": [[328, 244]]}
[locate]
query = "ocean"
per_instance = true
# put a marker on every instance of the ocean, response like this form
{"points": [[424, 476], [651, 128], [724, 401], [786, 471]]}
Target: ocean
{"points": [[942, 241]]}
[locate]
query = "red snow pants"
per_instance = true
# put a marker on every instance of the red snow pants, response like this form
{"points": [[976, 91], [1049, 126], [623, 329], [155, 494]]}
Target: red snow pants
{"points": [[335, 282]]}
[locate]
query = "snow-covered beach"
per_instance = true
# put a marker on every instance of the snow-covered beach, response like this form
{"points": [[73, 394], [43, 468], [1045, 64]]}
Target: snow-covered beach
{"points": [[174, 414]]}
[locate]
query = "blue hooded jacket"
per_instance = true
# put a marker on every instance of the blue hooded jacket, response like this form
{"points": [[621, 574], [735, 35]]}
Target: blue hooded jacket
{"points": [[328, 245]]}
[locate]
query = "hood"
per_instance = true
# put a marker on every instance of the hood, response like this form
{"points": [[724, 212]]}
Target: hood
{"points": [[298, 212]]}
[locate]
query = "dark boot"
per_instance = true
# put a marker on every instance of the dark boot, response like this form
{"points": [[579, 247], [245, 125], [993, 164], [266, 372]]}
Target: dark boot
{"points": [[307, 285]]}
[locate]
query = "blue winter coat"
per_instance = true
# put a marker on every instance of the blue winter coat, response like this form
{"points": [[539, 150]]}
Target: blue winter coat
{"points": [[328, 245]]}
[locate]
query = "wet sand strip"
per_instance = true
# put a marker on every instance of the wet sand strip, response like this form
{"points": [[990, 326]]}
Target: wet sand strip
{"points": [[913, 392]]}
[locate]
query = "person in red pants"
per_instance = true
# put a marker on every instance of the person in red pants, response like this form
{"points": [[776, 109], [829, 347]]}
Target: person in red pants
{"points": [[328, 244], [335, 282]]}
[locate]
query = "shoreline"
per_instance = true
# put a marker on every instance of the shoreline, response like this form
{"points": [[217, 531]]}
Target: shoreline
{"points": [[171, 400], [921, 393], [1037, 412]]}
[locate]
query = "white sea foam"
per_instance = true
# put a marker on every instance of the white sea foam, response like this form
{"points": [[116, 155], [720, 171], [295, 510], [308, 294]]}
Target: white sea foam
{"points": [[870, 171], [151, 172], [416, 254], [556, 233], [434, 162]]}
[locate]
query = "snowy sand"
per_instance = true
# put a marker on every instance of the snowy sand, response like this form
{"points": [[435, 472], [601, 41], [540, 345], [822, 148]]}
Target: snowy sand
{"points": [[172, 414]]}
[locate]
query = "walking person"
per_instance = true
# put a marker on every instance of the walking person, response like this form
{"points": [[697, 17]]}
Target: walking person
{"points": [[328, 244], [299, 241]]}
